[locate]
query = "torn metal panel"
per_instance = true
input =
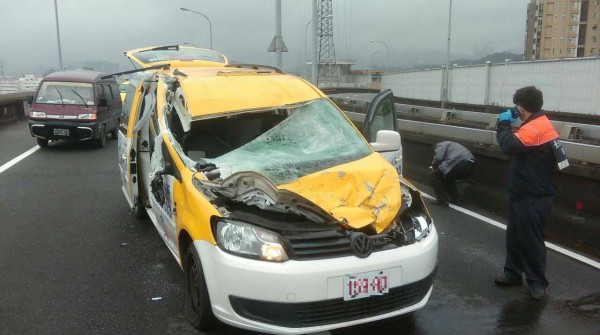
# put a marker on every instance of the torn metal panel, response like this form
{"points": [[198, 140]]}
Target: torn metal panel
{"points": [[254, 189], [364, 192]]}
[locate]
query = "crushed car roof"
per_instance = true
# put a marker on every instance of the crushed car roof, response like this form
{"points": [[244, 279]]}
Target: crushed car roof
{"points": [[211, 91]]}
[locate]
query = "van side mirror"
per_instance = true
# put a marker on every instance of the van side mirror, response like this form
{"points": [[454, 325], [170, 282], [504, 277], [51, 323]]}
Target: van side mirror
{"points": [[102, 102], [30, 99]]}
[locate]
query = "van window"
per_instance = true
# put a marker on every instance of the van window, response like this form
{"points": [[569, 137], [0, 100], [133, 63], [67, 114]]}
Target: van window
{"points": [[109, 95], [114, 89], [100, 92], [65, 93]]}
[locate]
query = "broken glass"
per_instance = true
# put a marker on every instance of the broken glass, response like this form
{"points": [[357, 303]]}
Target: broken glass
{"points": [[316, 136]]}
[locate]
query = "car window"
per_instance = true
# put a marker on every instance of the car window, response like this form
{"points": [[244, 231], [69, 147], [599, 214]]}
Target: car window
{"points": [[65, 93], [314, 137]]}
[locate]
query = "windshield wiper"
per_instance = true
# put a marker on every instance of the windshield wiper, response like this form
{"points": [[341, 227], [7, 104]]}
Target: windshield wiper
{"points": [[80, 97], [60, 95]]}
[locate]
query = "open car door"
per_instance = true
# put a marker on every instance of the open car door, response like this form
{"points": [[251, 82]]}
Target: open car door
{"points": [[381, 128]]}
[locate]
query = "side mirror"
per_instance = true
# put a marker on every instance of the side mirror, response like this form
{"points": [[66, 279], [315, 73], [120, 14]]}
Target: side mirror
{"points": [[102, 102], [387, 140], [30, 100]]}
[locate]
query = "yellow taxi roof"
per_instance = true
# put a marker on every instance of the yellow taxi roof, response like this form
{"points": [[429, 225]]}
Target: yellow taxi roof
{"points": [[210, 91]]}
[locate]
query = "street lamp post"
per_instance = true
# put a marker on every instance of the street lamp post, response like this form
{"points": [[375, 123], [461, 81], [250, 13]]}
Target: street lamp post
{"points": [[447, 72], [60, 63], [305, 47], [387, 53], [207, 19]]}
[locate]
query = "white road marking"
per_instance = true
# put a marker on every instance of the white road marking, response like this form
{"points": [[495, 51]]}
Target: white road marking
{"points": [[549, 245], [18, 159]]}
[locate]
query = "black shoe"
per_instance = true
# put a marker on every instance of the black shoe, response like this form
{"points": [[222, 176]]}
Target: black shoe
{"points": [[538, 293], [440, 203], [506, 281]]}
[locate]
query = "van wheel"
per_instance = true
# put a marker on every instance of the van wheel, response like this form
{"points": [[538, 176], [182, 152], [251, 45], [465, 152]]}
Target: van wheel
{"points": [[43, 143], [197, 302], [113, 133], [101, 141]]}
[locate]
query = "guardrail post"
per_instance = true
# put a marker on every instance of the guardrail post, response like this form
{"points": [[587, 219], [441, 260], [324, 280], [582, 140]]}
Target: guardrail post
{"points": [[568, 132], [488, 72]]}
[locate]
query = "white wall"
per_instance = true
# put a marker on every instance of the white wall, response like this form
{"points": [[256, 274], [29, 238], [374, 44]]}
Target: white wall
{"points": [[569, 85]]}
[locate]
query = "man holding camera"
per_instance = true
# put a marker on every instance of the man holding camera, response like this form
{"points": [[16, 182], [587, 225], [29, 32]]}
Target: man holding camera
{"points": [[534, 151]]}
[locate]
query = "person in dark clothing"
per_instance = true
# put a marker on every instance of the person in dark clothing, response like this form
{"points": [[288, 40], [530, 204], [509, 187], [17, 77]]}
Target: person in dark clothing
{"points": [[451, 162], [531, 189]]}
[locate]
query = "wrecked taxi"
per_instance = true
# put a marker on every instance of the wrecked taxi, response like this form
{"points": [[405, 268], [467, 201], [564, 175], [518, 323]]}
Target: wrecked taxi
{"points": [[282, 216]]}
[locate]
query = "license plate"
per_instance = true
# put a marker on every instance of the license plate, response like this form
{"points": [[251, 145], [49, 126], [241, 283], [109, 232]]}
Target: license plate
{"points": [[366, 284], [61, 132]]}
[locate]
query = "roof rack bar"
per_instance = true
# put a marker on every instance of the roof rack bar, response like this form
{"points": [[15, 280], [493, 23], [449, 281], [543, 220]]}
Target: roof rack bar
{"points": [[255, 67], [155, 67]]}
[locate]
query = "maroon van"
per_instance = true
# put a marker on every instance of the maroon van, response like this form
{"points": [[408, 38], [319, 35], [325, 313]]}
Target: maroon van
{"points": [[76, 105]]}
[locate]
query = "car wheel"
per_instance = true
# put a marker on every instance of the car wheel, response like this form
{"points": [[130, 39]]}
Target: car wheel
{"points": [[43, 143], [101, 141], [113, 133], [197, 302]]}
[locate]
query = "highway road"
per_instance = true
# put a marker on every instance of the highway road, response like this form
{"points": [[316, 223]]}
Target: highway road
{"points": [[74, 260]]}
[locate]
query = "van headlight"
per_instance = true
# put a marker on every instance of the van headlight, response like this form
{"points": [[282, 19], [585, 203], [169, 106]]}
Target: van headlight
{"points": [[88, 116], [246, 240], [421, 227], [37, 115]]}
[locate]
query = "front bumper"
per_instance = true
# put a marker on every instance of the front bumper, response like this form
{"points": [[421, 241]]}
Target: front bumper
{"points": [[297, 297], [78, 131]]}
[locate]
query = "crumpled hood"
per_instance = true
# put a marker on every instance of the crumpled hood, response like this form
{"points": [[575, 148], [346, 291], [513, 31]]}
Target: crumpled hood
{"points": [[363, 192]]}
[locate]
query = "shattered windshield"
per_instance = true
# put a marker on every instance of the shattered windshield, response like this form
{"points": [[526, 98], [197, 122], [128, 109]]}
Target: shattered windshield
{"points": [[65, 93], [315, 136]]}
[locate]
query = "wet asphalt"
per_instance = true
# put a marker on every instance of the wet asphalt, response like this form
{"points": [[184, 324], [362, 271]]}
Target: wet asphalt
{"points": [[74, 260]]}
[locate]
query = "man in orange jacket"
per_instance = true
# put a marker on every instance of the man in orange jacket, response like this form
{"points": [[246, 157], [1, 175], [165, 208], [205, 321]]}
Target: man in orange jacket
{"points": [[531, 188]]}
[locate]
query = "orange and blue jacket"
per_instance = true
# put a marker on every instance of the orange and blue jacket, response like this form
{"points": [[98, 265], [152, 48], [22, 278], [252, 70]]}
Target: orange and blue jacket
{"points": [[532, 164]]}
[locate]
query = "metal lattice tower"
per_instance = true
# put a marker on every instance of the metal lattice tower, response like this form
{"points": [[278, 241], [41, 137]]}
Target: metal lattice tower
{"points": [[328, 72]]}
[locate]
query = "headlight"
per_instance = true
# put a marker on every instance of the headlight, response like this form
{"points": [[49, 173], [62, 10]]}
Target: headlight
{"points": [[37, 115], [249, 241], [90, 116], [421, 227]]}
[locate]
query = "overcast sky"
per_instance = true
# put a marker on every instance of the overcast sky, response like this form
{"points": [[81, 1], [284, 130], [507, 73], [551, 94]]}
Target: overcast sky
{"points": [[414, 30]]}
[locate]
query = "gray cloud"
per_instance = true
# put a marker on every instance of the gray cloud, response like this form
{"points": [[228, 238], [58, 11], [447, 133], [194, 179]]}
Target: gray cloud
{"points": [[242, 29]]}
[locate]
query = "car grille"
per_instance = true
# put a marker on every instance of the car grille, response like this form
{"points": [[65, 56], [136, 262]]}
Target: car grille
{"points": [[327, 244], [296, 315]]}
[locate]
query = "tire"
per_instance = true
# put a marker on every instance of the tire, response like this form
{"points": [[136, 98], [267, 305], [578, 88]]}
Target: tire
{"points": [[113, 133], [43, 143], [198, 310], [101, 141]]}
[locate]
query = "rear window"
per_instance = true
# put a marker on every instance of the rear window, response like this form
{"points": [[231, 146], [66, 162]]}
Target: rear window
{"points": [[65, 93], [154, 56]]}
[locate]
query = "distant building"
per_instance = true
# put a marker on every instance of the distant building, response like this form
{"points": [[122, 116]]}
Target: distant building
{"points": [[10, 84], [562, 29]]}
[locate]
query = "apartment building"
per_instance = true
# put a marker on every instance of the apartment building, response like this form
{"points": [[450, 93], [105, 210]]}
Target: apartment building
{"points": [[562, 29]]}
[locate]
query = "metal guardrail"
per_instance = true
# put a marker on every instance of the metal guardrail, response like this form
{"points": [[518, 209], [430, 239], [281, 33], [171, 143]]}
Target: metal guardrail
{"points": [[570, 133]]}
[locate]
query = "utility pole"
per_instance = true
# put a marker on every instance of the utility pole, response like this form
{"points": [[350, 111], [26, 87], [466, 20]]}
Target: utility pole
{"points": [[277, 44], [328, 72], [447, 70], [315, 57], [58, 37]]}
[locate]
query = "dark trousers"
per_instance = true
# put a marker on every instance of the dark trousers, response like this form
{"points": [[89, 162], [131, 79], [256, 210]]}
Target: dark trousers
{"points": [[525, 249], [445, 185]]}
